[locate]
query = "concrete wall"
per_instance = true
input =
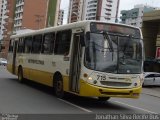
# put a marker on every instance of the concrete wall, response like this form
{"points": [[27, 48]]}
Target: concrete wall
{"points": [[150, 31], [31, 11], [151, 35]]}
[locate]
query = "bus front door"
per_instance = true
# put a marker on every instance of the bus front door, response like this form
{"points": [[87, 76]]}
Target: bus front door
{"points": [[75, 65], [14, 57]]}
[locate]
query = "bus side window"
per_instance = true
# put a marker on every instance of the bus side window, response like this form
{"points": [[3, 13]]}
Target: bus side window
{"points": [[36, 46], [62, 43], [28, 44], [21, 45], [48, 43]]}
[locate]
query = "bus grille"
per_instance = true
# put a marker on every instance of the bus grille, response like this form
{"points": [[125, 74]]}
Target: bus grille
{"points": [[115, 93], [115, 84]]}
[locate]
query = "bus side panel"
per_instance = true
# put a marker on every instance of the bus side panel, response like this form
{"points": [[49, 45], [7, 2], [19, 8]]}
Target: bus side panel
{"points": [[9, 67], [26, 73], [10, 62], [42, 77], [66, 83]]}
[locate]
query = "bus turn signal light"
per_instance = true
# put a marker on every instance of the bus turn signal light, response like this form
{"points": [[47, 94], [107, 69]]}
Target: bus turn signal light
{"points": [[85, 75]]}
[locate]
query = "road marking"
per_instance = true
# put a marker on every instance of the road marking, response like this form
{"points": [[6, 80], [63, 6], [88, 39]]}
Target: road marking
{"points": [[86, 110], [135, 107]]}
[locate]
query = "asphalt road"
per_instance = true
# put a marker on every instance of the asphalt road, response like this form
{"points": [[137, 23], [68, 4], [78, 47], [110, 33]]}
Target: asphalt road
{"points": [[31, 98]]}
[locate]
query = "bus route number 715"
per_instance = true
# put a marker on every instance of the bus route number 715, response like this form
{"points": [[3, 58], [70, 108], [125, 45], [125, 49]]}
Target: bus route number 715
{"points": [[101, 77]]}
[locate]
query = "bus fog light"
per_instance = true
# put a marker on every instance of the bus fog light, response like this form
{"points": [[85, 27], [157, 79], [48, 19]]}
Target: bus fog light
{"points": [[94, 82], [135, 84]]}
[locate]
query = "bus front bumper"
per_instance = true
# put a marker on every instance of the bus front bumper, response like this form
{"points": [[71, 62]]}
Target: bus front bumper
{"points": [[89, 90]]}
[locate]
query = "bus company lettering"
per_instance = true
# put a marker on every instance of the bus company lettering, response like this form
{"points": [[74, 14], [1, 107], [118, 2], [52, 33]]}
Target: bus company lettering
{"points": [[36, 61]]}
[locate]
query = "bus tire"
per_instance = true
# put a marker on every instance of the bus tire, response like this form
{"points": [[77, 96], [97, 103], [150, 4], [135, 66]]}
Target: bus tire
{"points": [[58, 86], [20, 75], [103, 99]]}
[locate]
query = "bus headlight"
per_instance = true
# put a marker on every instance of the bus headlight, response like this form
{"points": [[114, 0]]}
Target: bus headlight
{"points": [[137, 83], [92, 81], [90, 78]]}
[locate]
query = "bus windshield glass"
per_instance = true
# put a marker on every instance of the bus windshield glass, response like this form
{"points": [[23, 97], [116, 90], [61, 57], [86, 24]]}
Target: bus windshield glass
{"points": [[114, 53], [113, 28]]}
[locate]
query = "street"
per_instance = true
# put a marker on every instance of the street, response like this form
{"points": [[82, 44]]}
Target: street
{"points": [[31, 98]]}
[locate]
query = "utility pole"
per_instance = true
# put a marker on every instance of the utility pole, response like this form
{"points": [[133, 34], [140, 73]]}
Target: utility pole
{"points": [[116, 19], [39, 19], [46, 17], [0, 47]]}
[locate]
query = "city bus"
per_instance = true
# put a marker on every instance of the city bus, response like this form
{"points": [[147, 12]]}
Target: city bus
{"points": [[88, 58]]}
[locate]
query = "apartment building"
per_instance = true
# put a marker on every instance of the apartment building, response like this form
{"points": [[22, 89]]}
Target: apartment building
{"points": [[32, 16], [60, 17], [8, 25], [75, 10], [3, 16], [135, 15], [29, 14], [103, 10]]}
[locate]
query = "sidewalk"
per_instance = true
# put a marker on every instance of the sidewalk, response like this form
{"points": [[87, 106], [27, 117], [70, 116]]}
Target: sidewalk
{"points": [[153, 91]]}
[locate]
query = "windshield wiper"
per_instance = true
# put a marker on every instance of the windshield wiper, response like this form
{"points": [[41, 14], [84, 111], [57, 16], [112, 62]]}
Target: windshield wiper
{"points": [[106, 35]]}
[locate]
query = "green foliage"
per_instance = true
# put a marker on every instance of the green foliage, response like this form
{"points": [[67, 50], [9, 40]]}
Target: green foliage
{"points": [[51, 12]]}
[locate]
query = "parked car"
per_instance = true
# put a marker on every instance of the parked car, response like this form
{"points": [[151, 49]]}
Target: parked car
{"points": [[3, 61], [151, 78]]}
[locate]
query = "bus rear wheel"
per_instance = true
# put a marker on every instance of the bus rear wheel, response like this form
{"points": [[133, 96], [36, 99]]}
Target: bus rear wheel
{"points": [[103, 99], [20, 75], [58, 86]]}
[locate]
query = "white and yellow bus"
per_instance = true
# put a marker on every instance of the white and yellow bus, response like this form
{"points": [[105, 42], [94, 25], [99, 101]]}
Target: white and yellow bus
{"points": [[88, 58]]}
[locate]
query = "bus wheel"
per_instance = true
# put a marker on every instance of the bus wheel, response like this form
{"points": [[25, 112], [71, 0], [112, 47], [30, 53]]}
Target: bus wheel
{"points": [[103, 98], [58, 86], [20, 75]]}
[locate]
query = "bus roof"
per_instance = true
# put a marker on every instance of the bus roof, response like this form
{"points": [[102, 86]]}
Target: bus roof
{"points": [[66, 26]]}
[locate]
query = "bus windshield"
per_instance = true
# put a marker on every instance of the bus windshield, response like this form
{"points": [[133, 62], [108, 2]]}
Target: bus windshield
{"points": [[113, 53]]}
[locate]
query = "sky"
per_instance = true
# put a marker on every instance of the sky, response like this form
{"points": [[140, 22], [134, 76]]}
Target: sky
{"points": [[124, 5]]}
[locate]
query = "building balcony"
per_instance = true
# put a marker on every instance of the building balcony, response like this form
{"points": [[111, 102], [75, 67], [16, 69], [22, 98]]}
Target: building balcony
{"points": [[18, 18], [75, 5], [18, 25], [5, 25], [19, 4], [7, 13], [6, 20], [75, 1], [4, 32], [91, 6], [19, 11], [110, 1]]}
